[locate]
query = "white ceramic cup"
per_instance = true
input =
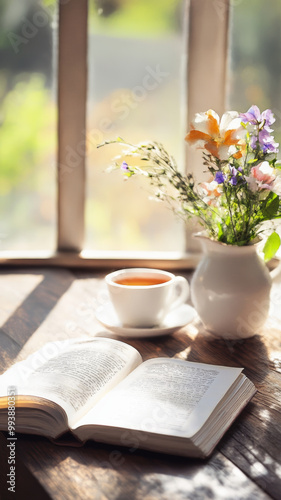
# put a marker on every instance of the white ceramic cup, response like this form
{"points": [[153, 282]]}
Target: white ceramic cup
{"points": [[145, 304]]}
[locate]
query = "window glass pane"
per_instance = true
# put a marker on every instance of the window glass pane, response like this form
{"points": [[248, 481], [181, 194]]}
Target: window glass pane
{"points": [[255, 62], [135, 78], [255, 48], [27, 125]]}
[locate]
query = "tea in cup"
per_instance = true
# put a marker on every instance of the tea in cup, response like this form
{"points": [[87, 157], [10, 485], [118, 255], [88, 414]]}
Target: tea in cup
{"points": [[142, 297]]}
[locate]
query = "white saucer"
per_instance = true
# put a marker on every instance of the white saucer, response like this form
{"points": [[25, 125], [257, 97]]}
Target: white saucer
{"points": [[174, 320]]}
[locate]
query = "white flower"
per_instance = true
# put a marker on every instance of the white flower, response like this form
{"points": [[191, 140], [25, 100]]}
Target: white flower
{"points": [[210, 191], [276, 187]]}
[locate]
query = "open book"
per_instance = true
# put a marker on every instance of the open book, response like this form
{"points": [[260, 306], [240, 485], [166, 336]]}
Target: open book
{"points": [[100, 389]]}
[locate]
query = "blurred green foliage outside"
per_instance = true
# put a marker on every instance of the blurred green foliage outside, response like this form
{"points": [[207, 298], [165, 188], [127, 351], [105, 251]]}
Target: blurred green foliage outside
{"points": [[255, 57], [28, 117], [27, 127]]}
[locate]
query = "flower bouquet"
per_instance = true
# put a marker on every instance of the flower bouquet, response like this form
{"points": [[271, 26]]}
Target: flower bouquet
{"points": [[240, 199]]}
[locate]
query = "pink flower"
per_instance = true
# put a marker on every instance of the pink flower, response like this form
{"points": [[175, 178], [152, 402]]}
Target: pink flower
{"points": [[263, 172], [262, 177]]}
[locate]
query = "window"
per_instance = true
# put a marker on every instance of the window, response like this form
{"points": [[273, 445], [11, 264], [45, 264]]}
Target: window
{"points": [[134, 91], [183, 44], [255, 47], [255, 69], [27, 126]]}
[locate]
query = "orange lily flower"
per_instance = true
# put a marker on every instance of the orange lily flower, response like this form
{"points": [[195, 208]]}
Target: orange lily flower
{"points": [[218, 137], [210, 192]]}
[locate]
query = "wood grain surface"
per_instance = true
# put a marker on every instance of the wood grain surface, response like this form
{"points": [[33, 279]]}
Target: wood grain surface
{"points": [[37, 306]]}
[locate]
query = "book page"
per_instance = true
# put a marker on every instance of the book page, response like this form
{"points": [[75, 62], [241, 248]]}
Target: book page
{"points": [[167, 396], [73, 374]]}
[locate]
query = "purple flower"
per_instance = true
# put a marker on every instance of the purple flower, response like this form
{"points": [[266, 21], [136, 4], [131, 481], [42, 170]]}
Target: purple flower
{"points": [[233, 170], [126, 170], [253, 142], [220, 177], [268, 118], [255, 117], [262, 121], [252, 116], [267, 142], [125, 167], [233, 173]]}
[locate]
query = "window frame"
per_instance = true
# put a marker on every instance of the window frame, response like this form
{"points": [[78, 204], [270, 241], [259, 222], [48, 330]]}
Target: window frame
{"points": [[204, 62]]}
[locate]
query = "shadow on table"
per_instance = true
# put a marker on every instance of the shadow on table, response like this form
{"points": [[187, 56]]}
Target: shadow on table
{"points": [[29, 315], [251, 353]]}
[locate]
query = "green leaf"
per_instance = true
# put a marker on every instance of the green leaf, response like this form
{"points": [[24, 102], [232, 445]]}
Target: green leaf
{"points": [[253, 160], [270, 206], [220, 232], [271, 246]]}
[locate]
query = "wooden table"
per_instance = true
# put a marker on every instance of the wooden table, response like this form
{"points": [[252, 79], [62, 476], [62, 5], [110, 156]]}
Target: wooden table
{"points": [[40, 305]]}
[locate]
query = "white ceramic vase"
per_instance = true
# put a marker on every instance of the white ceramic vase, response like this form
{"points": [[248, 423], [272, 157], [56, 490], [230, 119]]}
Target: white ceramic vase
{"points": [[230, 289]]}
